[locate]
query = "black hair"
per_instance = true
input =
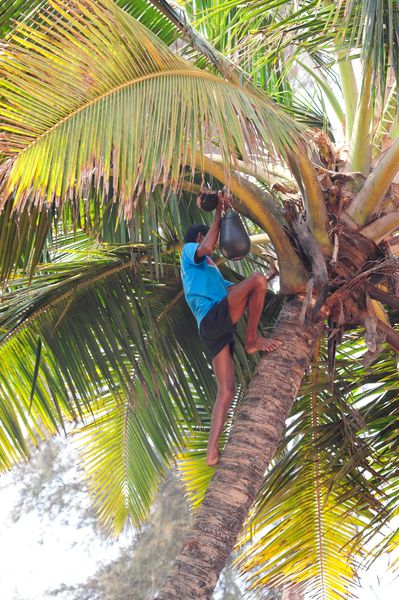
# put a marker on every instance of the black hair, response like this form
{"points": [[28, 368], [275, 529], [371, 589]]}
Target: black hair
{"points": [[193, 231]]}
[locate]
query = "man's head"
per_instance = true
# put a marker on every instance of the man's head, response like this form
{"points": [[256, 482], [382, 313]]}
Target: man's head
{"points": [[196, 233]]}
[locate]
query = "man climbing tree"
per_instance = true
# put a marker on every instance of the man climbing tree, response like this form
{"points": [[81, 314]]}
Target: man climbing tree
{"points": [[103, 120], [218, 305]]}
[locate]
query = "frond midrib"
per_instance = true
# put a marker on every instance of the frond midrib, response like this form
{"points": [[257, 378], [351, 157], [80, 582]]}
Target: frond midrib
{"points": [[80, 285], [184, 73]]}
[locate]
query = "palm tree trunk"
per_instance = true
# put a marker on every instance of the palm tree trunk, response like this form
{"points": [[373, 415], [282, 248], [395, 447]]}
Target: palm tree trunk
{"points": [[253, 441]]}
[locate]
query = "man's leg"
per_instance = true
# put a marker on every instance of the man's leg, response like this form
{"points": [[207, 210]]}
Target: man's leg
{"points": [[251, 293], [224, 372]]}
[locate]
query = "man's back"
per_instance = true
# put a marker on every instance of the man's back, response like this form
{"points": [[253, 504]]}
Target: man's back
{"points": [[203, 283]]}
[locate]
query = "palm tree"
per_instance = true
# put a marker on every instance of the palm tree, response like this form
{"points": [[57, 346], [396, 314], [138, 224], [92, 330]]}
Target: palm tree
{"points": [[107, 129]]}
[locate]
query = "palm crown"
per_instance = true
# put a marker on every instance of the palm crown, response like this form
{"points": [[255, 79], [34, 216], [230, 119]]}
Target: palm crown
{"points": [[112, 112]]}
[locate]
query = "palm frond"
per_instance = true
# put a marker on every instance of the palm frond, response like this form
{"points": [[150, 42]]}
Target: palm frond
{"points": [[278, 77], [266, 32], [159, 221], [22, 238], [125, 451], [374, 27], [13, 12], [313, 500], [97, 338], [82, 98], [93, 319], [379, 409]]}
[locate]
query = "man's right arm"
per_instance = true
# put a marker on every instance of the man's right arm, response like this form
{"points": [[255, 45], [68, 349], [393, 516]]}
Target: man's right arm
{"points": [[208, 244]]}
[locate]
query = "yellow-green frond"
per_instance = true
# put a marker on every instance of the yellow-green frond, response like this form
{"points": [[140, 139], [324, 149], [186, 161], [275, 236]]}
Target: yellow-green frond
{"points": [[123, 465], [96, 338], [322, 492], [92, 95]]}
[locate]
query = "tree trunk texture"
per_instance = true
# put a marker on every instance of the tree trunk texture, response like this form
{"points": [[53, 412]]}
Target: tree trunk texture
{"points": [[257, 431]]}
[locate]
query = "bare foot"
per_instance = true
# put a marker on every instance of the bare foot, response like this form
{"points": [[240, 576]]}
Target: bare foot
{"points": [[212, 456], [262, 344]]}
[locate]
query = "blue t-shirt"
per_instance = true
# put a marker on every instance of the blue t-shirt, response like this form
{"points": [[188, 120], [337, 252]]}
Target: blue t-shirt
{"points": [[203, 283]]}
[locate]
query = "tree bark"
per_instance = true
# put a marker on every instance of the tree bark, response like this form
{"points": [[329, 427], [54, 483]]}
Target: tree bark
{"points": [[253, 441]]}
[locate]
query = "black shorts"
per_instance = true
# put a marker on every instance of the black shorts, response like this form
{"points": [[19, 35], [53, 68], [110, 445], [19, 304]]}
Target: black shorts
{"points": [[217, 329]]}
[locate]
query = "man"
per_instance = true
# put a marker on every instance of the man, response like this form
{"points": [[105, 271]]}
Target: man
{"points": [[217, 305]]}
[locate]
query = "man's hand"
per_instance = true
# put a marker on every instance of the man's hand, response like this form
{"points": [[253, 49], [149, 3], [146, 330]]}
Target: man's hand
{"points": [[220, 206], [224, 200]]}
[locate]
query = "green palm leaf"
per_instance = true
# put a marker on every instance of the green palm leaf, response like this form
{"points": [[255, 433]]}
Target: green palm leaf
{"points": [[332, 486], [267, 31], [331, 489], [272, 35], [313, 502], [82, 98], [99, 335], [96, 338], [377, 398], [12, 11], [374, 27], [122, 464]]}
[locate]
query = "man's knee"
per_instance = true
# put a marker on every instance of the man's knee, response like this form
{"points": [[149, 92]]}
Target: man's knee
{"points": [[227, 391], [260, 281]]}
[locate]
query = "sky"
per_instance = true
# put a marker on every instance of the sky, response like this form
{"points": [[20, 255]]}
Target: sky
{"points": [[39, 552]]}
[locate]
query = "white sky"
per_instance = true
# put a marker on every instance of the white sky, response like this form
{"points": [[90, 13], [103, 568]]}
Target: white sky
{"points": [[39, 553]]}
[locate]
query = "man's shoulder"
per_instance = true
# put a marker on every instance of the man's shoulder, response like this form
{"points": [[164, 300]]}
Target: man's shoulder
{"points": [[188, 253], [188, 246]]}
